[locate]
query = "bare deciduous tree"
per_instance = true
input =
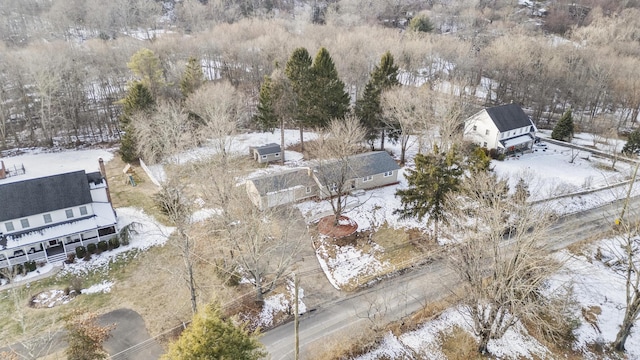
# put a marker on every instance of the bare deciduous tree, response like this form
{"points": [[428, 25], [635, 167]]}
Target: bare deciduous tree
{"points": [[219, 109], [500, 259], [335, 166], [164, 134], [175, 203], [406, 109]]}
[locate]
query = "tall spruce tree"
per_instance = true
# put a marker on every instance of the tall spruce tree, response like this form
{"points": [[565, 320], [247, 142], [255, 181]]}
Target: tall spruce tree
{"points": [[211, 337], [368, 108], [266, 116], [298, 70], [329, 99], [138, 99], [434, 177], [633, 143], [192, 78], [563, 130]]}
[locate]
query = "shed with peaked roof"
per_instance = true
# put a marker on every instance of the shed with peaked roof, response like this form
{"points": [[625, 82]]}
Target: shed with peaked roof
{"points": [[266, 153]]}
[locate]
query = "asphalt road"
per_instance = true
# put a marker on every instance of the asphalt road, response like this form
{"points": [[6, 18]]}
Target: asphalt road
{"points": [[403, 295]]}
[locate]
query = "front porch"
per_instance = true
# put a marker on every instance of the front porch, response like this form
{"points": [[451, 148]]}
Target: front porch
{"points": [[53, 250]]}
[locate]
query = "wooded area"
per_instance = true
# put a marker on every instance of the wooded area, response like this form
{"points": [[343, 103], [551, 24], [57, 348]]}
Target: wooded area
{"points": [[64, 64]]}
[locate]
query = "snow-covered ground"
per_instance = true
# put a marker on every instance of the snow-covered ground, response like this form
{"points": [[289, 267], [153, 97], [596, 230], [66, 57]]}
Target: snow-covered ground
{"points": [[598, 288], [549, 172]]}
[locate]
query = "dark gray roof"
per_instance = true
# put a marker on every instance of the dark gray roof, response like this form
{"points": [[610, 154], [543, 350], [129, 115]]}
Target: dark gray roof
{"points": [[508, 117], [361, 165], [268, 149], [36, 196], [280, 181]]}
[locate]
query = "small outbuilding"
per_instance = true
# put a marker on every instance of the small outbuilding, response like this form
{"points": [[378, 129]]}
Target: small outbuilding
{"points": [[266, 153]]}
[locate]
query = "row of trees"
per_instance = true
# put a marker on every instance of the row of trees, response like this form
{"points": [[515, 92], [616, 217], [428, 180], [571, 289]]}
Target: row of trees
{"points": [[73, 90]]}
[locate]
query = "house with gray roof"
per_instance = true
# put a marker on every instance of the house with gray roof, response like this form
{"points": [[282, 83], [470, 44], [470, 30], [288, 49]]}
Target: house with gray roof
{"points": [[45, 219], [505, 128], [266, 153], [357, 172]]}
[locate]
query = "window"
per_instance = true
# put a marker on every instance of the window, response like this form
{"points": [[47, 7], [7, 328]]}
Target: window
{"points": [[353, 185], [24, 223], [367, 178], [9, 226], [69, 213], [486, 132], [47, 218], [388, 173], [277, 154], [83, 210], [484, 144], [475, 127], [264, 156], [308, 189], [333, 187]]}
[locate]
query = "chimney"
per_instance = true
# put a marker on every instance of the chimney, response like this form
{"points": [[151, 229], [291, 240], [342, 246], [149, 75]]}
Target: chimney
{"points": [[103, 172], [3, 171]]}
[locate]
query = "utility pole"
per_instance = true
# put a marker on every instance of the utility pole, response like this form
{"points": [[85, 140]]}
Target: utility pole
{"points": [[295, 321]]}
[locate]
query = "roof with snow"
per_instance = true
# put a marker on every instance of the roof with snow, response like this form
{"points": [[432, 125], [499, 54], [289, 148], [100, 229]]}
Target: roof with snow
{"points": [[508, 117], [284, 180], [271, 148], [41, 195]]}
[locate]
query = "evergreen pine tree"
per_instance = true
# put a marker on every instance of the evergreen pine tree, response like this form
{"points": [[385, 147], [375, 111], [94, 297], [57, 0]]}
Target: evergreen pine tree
{"points": [[434, 177], [138, 98], [211, 337], [479, 160], [298, 71], [421, 23], [266, 117], [192, 78], [329, 97], [563, 130], [633, 143], [368, 108]]}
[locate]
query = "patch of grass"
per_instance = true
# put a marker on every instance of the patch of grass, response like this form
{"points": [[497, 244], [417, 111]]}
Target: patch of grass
{"points": [[343, 345], [457, 344]]}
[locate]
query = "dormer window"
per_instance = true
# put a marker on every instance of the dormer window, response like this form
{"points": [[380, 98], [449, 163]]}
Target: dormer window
{"points": [[486, 132]]}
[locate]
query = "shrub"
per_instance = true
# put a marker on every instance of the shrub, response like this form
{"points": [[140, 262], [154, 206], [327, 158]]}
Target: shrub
{"points": [[18, 269], [103, 246], [91, 248], [71, 258], [29, 266], [81, 251], [114, 242]]}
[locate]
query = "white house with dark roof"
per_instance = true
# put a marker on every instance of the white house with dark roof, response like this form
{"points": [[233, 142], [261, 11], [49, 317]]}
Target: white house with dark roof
{"points": [[266, 153], [45, 219], [365, 171], [505, 128]]}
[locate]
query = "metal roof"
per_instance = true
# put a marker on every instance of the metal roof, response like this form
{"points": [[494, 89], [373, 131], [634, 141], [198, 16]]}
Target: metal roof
{"points": [[508, 117], [42, 195]]}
